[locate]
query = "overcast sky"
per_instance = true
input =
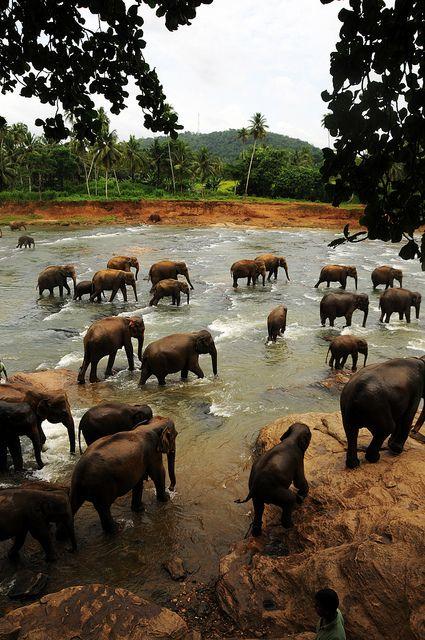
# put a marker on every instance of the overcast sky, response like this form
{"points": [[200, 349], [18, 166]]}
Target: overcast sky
{"points": [[237, 57]]}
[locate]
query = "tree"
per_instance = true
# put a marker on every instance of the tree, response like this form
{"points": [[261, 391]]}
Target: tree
{"points": [[257, 129], [106, 153], [377, 117], [133, 156], [205, 165], [156, 155], [97, 47], [169, 109], [243, 135]]}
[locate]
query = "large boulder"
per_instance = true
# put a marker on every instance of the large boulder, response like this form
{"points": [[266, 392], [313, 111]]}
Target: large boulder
{"points": [[93, 611], [361, 532]]}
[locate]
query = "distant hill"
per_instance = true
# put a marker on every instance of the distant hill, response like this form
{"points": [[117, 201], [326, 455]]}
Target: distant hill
{"points": [[226, 145]]}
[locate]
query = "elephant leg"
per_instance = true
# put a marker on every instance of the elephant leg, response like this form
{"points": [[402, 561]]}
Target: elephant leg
{"points": [[383, 426], [401, 431], [322, 319], [257, 522], [36, 443], [136, 497], [18, 543], [93, 370], [355, 357], [113, 294], [275, 272], [61, 291], [269, 277], [130, 355], [352, 460], [400, 315], [381, 319], [68, 290], [331, 321], [51, 291], [185, 373], [106, 520], [82, 372], [124, 292], [301, 484], [145, 373], [287, 505], [157, 474], [328, 284], [39, 529], [178, 297], [318, 283], [407, 315], [387, 317], [331, 362], [339, 362], [14, 445], [3, 456], [235, 282], [248, 282], [161, 379], [348, 318], [195, 368], [111, 360], [387, 285], [343, 283], [43, 438]]}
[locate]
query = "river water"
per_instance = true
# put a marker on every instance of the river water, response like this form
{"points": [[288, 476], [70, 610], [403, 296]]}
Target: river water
{"points": [[217, 419]]}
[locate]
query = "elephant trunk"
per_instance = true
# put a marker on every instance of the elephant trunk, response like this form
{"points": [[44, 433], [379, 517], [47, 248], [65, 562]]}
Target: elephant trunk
{"points": [[213, 352], [140, 348], [400, 281], [137, 272], [420, 421], [355, 281], [171, 459], [186, 275], [286, 271], [365, 357], [135, 291], [70, 427], [188, 296], [417, 308], [365, 317]]}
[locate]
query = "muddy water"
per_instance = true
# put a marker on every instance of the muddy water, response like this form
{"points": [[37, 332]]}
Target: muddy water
{"points": [[217, 419]]}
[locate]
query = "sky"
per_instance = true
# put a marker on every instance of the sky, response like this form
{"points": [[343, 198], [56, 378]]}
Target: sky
{"points": [[238, 57]]}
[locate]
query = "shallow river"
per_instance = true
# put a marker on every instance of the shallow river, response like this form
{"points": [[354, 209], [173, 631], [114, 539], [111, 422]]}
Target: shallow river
{"points": [[217, 419]]}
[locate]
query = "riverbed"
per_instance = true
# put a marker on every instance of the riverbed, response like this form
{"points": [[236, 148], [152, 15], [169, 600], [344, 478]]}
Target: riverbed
{"points": [[217, 418]]}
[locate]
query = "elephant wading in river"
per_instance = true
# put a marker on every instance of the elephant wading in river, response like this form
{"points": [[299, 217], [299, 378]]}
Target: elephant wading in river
{"points": [[56, 276], [276, 322], [386, 275], [112, 280], [399, 301], [275, 471], [273, 263], [337, 273], [85, 287], [343, 304], [124, 263], [169, 288], [177, 352], [250, 269], [383, 398], [108, 418], [26, 242], [343, 346], [167, 269], [104, 338], [117, 464], [17, 419]]}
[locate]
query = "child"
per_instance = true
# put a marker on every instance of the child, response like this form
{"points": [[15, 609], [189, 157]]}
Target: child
{"points": [[2, 371], [331, 623]]}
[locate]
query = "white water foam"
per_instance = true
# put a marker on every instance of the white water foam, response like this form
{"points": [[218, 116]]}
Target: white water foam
{"points": [[69, 359]]}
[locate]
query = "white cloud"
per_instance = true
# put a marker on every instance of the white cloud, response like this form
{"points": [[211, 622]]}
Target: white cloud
{"points": [[237, 57]]}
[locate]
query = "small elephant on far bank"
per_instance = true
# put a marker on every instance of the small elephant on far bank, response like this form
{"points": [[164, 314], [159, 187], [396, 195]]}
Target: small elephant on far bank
{"points": [[399, 301], [17, 225], [386, 275], [25, 242], [276, 322], [343, 346], [343, 304], [249, 269], [169, 288], [337, 273], [274, 472]]}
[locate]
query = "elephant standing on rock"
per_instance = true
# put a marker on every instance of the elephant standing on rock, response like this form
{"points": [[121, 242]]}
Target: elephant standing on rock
{"points": [[337, 273], [383, 398], [85, 287], [343, 304], [177, 352], [399, 301], [117, 464], [112, 280], [56, 276], [169, 288], [250, 269], [104, 338], [167, 269], [386, 275], [276, 322], [273, 263], [18, 419], [26, 242], [343, 346], [124, 263], [107, 418], [275, 471], [17, 226]]}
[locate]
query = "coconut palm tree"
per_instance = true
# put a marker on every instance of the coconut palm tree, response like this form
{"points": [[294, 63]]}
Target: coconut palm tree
{"points": [[257, 128], [168, 111], [205, 165], [156, 155], [107, 154], [243, 135], [7, 172], [132, 155]]}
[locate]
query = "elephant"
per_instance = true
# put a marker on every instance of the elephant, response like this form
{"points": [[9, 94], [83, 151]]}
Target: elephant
{"points": [[383, 398], [276, 322], [47, 405], [343, 346], [177, 352], [26, 510], [124, 263], [275, 471], [250, 269], [17, 226], [273, 263], [108, 418], [167, 269], [117, 464], [18, 419], [169, 287], [337, 273], [104, 337], [26, 242], [399, 301], [386, 275], [56, 276], [85, 287], [112, 280], [341, 303]]}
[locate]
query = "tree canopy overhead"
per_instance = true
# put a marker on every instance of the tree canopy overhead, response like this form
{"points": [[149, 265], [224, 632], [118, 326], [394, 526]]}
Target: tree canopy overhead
{"points": [[377, 116], [51, 51]]}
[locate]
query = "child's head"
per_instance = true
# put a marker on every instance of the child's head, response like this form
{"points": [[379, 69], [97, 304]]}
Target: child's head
{"points": [[326, 603]]}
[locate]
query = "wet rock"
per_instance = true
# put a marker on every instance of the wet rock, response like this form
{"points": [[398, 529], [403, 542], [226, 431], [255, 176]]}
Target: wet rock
{"points": [[176, 568], [27, 584], [93, 611], [361, 532], [335, 381]]}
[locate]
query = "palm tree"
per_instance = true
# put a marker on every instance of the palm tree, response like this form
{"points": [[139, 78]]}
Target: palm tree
{"points": [[169, 110], [7, 172], [205, 164], [106, 153], [183, 163], [156, 154], [243, 135], [258, 131], [132, 155]]}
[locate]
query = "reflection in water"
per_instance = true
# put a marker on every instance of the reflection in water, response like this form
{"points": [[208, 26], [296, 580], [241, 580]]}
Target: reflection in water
{"points": [[217, 419]]}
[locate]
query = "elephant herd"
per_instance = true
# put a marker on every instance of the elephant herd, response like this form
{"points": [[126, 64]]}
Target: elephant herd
{"points": [[125, 443]]}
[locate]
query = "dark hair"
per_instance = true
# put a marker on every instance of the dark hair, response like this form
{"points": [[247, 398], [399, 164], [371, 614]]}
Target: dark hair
{"points": [[328, 599]]}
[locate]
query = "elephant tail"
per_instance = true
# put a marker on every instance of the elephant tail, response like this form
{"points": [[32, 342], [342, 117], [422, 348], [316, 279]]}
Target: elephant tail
{"points": [[240, 501], [79, 438], [327, 355]]}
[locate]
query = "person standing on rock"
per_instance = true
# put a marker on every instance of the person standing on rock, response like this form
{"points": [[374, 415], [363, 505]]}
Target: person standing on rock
{"points": [[331, 623], [3, 371]]}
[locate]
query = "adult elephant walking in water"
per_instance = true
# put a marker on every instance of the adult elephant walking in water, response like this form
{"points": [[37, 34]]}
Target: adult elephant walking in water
{"points": [[124, 263], [337, 273], [112, 280], [56, 276], [399, 301], [168, 269], [273, 263], [343, 304]]}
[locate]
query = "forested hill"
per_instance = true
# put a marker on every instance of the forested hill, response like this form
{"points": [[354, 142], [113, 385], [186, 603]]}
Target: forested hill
{"points": [[226, 145]]}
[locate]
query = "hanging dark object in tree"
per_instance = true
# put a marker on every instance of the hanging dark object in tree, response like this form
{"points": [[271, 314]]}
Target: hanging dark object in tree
{"points": [[356, 237], [62, 55]]}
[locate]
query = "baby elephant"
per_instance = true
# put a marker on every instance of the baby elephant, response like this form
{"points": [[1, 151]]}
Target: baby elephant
{"points": [[26, 242], [343, 346], [18, 419], [274, 472], [169, 288], [276, 322], [85, 287]]}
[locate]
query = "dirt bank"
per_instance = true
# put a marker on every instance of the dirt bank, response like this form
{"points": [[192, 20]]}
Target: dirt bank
{"points": [[184, 213]]}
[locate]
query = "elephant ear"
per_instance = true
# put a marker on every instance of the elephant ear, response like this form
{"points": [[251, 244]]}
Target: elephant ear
{"points": [[286, 434], [166, 439], [42, 408], [201, 343]]}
